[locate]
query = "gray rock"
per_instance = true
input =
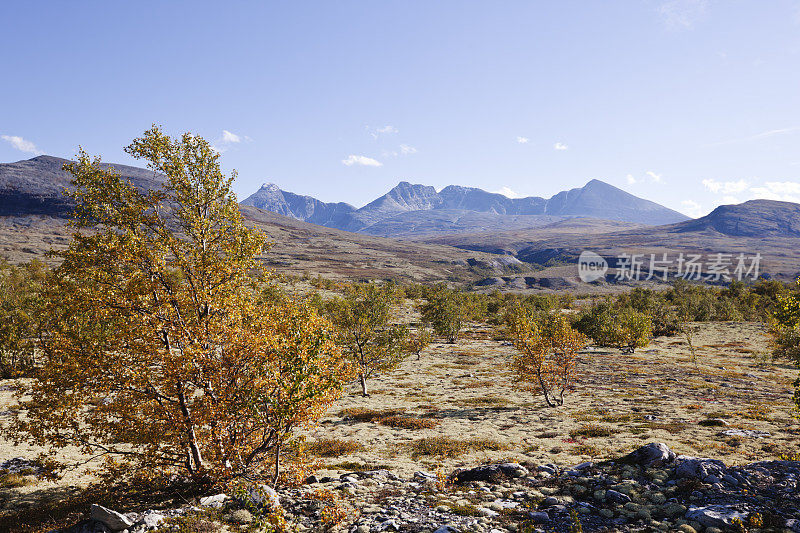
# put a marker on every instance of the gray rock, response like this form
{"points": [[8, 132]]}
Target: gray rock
{"points": [[653, 454], [264, 496], [113, 520], [727, 478], [617, 497], [491, 472], [714, 515], [539, 517], [389, 524], [214, 502], [698, 467], [421, 476], [752, 433], [151, 520]]}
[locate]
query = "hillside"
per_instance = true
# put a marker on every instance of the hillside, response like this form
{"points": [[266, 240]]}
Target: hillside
{"points": [[756, 218], [36, 186], [34, 218]]}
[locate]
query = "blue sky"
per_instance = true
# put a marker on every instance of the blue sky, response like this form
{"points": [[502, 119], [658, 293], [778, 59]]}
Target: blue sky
{"points": [[690, 103]]}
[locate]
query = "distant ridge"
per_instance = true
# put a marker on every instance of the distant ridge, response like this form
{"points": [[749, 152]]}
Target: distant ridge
{"points": [[754, 218], [36, 186], [412, 204], [306, 208]]}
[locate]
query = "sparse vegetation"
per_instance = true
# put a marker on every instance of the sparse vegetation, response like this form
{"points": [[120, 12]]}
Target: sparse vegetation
{"points": [[334, 447], [366, 335], [547, 347], [156, 338]]}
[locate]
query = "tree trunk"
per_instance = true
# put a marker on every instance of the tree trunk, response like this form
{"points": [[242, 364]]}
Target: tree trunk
{"points": [[277, 464], [193, 448], [363, 379]]}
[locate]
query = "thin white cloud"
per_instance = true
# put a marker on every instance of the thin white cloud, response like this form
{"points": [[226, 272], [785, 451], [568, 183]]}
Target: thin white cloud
{"points": [[731, 191], [228, 139], [507, 192], [786, 191], [361, 160], [407, 150], [681, 14], [691, 208], [758, 136], [653, 176], [384, 130], [630, 179], [523, 140], [560, 146], [23, 145], [725, 187]]}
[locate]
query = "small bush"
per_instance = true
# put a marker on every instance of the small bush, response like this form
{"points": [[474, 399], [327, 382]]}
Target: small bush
{"points": [[334, 447], [362, 414], [591, 430], [13, 480], [408, 422], [446, 446]]}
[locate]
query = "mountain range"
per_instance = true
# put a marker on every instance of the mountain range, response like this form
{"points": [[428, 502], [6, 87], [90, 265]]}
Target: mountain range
{"points": [[455, 233], [457, 209]]}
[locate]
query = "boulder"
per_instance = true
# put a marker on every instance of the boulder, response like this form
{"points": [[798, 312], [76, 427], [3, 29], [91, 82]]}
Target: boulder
{"points": [[491, 473], [214, 502], [264, 496], [720, 516], [151, 519], [617, 497], [650, 455], [698, 467], [111, 519]]}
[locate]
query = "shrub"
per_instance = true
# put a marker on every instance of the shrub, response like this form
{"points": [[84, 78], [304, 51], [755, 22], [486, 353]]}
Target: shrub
{"points": [[363, 318], [333, 447], [612, 326], [548, 348], [157, 339], [20, 309], [446, 311]]}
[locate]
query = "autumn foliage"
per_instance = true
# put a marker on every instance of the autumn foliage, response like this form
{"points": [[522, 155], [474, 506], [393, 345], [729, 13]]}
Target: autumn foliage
{"points": [[160, 352], [547, 351], [363, 317]]}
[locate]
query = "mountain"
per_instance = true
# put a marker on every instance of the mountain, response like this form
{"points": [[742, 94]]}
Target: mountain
{"points": [[34, 219], [456, 208], [36, 186], [271, 198], [755, 218]]}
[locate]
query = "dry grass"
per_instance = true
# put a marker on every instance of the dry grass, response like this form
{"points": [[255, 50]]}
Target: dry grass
{"points": [[591, 430], [362, 414], [450, 447], [408, 422], [334, 447], [13, 480]]}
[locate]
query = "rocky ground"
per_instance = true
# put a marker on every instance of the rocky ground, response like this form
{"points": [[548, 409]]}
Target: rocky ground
{"points": [[458, 407], [650, 489]]}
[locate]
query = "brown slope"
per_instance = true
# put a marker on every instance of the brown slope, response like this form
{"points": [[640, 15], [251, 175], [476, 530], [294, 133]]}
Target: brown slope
{"points": [[759, 226], [298, 247]]}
